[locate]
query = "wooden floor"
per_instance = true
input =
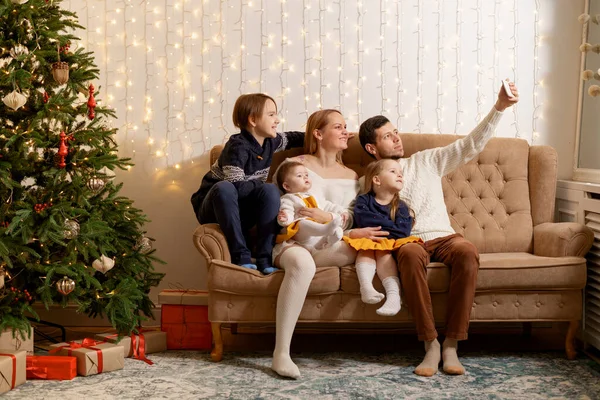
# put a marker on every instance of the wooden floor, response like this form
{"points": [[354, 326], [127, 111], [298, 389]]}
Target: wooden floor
{"points": [[343, 338]]}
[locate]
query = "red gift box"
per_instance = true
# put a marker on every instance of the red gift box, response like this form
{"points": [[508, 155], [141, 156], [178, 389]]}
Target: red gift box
{"points": [[187, 327], [56, 368]]}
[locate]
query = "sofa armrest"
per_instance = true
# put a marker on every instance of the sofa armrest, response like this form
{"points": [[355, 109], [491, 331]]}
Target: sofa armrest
{"points": [[210, 242], [561, 239]]}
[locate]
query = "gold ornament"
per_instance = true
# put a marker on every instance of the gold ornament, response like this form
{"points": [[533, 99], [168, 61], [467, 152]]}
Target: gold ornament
{"points": [[104, 264], [143, 245], [14, 100], [96, 184], [71, 229], [60, 72], [65, 286]]}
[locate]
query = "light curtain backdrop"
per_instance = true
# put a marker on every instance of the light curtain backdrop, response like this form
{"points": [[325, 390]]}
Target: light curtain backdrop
{"points": [[172, 70]]}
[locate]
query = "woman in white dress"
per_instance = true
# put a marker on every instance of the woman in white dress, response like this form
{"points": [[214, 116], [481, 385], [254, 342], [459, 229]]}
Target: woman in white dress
{"points": [[326, 138]]}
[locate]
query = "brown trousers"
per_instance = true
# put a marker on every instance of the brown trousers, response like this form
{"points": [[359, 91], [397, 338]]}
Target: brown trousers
{"points": [[462, 258]]}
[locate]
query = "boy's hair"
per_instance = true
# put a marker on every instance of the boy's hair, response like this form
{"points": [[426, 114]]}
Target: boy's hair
{"points": [[249, 105], [372, 170], [282, 171], [366, 132]]}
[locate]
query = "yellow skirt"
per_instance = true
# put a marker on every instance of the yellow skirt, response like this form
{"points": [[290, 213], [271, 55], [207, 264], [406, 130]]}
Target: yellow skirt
{"points": [[383, 244]]}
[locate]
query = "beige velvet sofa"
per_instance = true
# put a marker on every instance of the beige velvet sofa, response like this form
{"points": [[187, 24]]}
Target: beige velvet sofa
{"points": [[503, 201]]}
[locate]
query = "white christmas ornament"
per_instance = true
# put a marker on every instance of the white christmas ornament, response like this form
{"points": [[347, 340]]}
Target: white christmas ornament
{"points": [[19, 1], [18, 50], [104, 264], [14, 100]]}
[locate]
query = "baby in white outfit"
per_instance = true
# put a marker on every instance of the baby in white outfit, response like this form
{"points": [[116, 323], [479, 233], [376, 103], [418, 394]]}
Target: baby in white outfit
{"points": [[292, 179]]}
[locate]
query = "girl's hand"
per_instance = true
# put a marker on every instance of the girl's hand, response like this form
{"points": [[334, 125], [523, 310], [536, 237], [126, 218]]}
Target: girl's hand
{"points": [[374, 233], [504, 101], [316, 214]]}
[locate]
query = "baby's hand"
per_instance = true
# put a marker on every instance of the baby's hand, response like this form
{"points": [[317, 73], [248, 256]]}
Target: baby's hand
{"points": [[282, 217]]}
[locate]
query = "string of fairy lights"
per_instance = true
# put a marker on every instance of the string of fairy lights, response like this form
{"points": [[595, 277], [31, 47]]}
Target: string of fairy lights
{"points": [[172, 69]]}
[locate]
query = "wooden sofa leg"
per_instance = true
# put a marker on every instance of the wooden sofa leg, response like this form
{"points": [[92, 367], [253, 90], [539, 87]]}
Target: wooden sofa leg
{"points": [[217, 352], [570, 341]]}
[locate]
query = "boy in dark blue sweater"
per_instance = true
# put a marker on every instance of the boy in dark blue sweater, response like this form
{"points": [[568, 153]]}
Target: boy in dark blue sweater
{"points": [[234, 193]]}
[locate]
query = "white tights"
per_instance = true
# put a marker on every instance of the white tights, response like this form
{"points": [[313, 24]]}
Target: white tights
{"points": [[300, 267]]}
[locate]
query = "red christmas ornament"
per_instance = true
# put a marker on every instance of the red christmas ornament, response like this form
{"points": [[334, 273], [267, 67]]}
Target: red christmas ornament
{"points": [[45, 97], [91, 103], [63, 151]]}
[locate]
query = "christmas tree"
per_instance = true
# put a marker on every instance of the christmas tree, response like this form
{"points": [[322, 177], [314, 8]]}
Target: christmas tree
{"points": [[66, 235]]}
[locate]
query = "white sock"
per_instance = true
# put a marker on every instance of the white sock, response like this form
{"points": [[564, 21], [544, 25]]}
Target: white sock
{"points": [[365, 271], [392, 303], [299, 270]]}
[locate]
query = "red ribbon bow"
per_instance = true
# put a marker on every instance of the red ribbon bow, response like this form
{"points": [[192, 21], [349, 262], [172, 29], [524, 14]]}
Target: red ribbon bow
{"points": [[86, 344], [139, 352]]}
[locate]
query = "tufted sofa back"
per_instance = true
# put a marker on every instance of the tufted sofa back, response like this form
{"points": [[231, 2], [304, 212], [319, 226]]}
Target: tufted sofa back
{"points": [[495, 200]]}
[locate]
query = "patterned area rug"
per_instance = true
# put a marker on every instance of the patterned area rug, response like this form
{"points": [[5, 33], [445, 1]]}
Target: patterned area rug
{"points": [[191, 375]]}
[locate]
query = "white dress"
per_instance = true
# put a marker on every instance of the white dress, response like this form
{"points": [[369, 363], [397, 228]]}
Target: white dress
{"points": [[338, 191]]}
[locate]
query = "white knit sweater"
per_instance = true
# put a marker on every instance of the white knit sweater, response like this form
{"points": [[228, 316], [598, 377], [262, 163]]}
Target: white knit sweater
{"points": [[423, 172]]}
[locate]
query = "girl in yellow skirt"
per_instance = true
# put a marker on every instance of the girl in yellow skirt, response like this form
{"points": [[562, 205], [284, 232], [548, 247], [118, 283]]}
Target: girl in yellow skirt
{"points": [[381, 206]]}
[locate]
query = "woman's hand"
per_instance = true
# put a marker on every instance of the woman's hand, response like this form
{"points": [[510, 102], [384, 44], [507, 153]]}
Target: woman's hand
{"points": [[316, 214], [374, 233]]}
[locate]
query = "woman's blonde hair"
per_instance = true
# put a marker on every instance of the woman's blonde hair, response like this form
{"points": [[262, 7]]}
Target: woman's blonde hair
{"points": [[318, 120], [372, 171]]}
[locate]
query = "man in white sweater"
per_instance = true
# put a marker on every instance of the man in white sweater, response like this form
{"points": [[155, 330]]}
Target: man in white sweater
{"points": [[423, 172]]}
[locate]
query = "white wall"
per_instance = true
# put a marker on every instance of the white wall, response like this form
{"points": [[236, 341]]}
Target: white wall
{"points": [[431, 66]]}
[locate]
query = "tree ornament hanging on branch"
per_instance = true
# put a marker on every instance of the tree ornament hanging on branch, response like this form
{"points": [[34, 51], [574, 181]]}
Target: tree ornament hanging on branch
{"points": [[143, 245], [91, 103], [14, 100], [65, 286], [45, 97], [96, 184], [63, 150], [19, 1], [104, 264], [2, 275], [60, 72], [71, 229]]}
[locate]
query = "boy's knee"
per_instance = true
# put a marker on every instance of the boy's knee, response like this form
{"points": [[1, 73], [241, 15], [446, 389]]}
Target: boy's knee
{"points": [[270, 194], [225, 190]]}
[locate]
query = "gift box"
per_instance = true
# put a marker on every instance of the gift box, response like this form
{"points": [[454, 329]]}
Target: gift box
{"points": [[93, 357], [137, 346], [12, 369], [56, 368], [7, 341], [183, 297], [187, 326]]}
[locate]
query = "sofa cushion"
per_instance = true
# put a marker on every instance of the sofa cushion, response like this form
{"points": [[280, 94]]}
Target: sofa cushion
{"points": [[229, 278], [499, 271], [528, 272], [438, 278]]}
